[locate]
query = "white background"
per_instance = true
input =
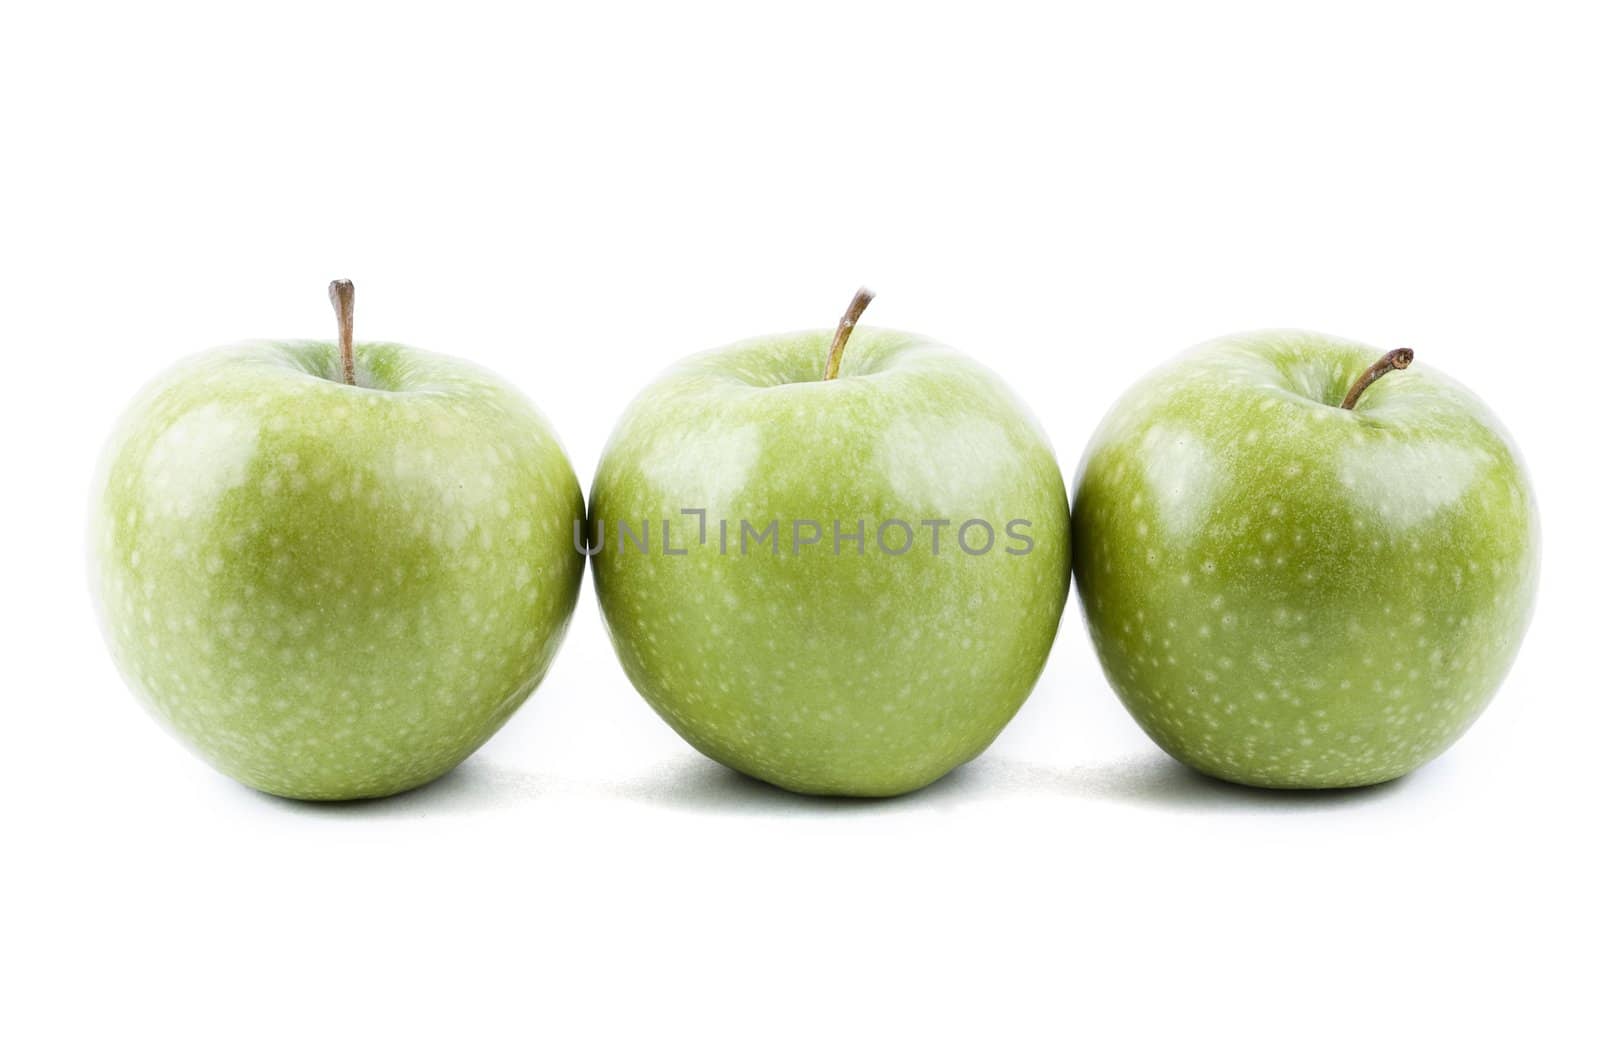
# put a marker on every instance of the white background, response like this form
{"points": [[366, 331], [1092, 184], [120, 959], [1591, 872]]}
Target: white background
{"points": [[576, 196]]}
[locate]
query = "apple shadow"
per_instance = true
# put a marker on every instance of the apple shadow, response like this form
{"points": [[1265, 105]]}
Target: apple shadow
{"points": [[699, 785], [474, 786]]}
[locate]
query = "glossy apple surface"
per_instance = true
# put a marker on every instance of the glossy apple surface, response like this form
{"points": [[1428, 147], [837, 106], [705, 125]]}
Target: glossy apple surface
{"points": [[332, 591], [869, 670], [1287, 593]]}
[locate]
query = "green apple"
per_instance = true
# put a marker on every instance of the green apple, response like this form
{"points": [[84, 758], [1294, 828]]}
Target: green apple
{"points": [[334, 572], [857, 559], [1298, 574]]}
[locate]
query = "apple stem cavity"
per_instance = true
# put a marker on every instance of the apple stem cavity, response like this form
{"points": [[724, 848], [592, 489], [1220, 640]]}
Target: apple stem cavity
{"points": [[1399, 358], [847, 325], [342, 294]]}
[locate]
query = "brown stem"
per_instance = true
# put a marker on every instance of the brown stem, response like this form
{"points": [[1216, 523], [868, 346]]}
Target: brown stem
{"points": [[343, 296], [1399, 358], [847, 324]]}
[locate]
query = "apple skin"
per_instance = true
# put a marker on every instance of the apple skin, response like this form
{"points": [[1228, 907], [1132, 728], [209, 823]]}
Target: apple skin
{"points": [[862, 674], [1288, 594], [333, 592]]}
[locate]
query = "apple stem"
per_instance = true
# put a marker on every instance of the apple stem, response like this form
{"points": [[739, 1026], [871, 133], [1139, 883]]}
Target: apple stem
{"points": [[343, 296], [847, 324], [1399, 358]]}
